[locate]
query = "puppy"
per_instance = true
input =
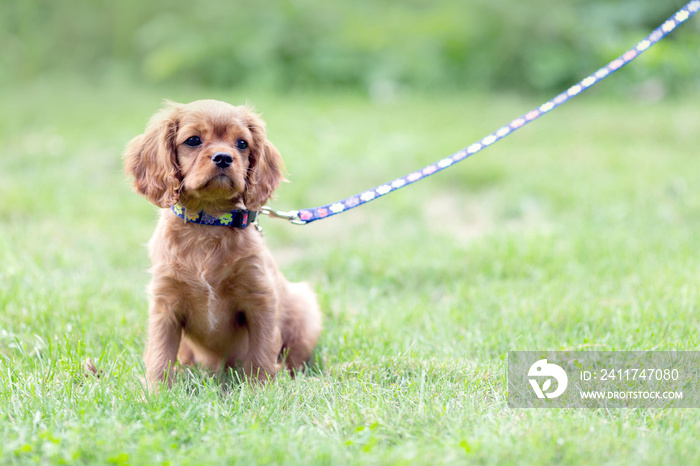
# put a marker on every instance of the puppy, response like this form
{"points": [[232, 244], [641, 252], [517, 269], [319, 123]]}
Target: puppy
{"points": [[217, 297]]}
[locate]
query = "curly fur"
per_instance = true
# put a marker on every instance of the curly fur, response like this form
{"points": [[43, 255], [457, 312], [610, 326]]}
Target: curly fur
{"points": [[217, 297]]}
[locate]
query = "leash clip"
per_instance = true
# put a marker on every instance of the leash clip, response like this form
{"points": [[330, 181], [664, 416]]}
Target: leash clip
{"points": [[292, 215]]}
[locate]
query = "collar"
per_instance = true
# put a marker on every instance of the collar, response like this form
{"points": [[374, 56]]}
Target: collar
{"points": [[235, 218]]}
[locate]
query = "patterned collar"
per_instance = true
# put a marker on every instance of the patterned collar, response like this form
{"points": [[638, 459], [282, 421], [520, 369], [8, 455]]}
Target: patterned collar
{"points": [[235, 218]]}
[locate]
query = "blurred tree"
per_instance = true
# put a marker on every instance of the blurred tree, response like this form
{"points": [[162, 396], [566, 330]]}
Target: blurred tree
{"points": [[538, 45]]}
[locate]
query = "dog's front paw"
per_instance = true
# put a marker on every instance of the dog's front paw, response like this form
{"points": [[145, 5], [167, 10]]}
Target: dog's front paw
{"points": [[261, 372], [158, 379]]}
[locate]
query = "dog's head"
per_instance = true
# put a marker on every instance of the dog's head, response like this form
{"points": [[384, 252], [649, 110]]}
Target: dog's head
{"points": [[205, 155]]}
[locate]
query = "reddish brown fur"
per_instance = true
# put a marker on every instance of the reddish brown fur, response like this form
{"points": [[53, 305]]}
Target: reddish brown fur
{"points": [[217, 296]]}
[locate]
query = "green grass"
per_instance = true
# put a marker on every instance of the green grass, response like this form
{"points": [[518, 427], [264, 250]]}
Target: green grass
{"points": [[579, 232]]}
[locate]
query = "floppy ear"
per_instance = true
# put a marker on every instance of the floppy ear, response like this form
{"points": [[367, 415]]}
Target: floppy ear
{"points": [[151, 158], [265, 166], [264, 176]]}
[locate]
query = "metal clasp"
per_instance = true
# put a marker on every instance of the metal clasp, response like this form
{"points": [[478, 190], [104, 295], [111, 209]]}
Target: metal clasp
{"points": [[292, 215]]}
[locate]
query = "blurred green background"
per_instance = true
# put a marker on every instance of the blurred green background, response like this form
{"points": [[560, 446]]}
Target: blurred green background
{"points": [[376, 46], [579, 232]]}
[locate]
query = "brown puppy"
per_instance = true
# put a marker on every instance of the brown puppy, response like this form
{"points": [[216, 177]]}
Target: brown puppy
{"points": [[217, 297]]}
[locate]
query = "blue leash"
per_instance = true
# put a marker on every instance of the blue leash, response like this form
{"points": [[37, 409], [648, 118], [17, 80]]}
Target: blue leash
{"points": [[304, 216]]}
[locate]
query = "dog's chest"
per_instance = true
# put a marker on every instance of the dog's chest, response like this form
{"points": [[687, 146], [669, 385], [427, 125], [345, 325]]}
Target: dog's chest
{"points": [[216, 271], [214, 302], [211, 317], [213, 272]]}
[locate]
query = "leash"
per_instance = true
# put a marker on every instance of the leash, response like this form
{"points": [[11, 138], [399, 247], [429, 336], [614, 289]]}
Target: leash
{"points": [[304, 216]]}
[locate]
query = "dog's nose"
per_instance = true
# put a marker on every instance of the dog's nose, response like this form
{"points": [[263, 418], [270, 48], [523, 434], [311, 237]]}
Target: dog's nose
{"points": [[222, 159]]}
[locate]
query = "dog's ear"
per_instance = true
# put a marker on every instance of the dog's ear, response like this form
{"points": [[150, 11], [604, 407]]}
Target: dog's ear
{"points": [[265, 167], [151, 158], [264, 176]]}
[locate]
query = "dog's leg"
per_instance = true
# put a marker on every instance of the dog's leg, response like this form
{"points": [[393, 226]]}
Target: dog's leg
{"points": [[185, 353], [301, 324], [164, 333], [265, 342]]}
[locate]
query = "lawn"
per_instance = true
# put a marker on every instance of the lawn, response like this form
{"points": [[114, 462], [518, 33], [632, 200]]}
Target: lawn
{"points": [[579, 232]]}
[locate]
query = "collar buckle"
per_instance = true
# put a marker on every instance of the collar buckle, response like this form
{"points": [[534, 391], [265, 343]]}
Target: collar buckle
{"points": [[292, 215]]}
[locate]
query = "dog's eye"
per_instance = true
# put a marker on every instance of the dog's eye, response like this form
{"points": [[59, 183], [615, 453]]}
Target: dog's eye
{"points": [[193, 141], [241, 144]]}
